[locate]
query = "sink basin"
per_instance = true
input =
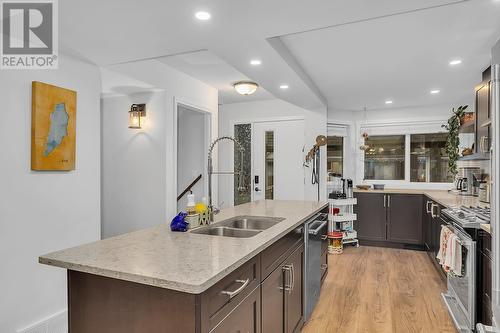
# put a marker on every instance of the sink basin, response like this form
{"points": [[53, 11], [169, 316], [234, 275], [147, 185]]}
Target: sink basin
{"points": [[225, 231], [251, 222], [239, 226]]}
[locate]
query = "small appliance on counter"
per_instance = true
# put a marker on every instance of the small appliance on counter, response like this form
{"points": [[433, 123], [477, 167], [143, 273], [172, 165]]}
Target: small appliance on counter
{"points": [[466, 183], [484, 191], [379, 187]]}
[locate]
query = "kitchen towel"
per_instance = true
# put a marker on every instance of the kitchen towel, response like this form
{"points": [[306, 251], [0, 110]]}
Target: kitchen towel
{"points": [[443, 245]]}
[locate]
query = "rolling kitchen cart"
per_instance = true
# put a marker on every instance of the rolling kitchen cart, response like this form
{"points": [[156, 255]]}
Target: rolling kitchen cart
{"points": [[344, 220]]}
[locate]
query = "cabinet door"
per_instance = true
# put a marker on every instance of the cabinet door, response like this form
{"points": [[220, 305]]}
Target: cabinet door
{"points": [[371, 222], [245, 317], [436, 230], [486, 290], [482, 116], [404, 218], [426, 224], [294, 296], [273, 302]]}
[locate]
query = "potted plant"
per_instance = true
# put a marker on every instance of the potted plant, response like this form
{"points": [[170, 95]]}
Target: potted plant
{"points": [[453, 141]]}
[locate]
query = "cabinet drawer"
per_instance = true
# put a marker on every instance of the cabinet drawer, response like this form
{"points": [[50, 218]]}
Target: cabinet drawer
{"points": [[218, 301], [245, 317], [274, 255]]}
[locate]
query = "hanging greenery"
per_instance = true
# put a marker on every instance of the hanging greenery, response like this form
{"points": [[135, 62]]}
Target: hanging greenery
{"points": [[452, 141]]}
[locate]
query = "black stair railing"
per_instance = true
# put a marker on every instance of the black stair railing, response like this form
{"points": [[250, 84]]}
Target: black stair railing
{"points": [[189, 187]]}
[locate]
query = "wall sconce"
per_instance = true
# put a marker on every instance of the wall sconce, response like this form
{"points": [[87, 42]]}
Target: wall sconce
{"points": [[135, 115]]}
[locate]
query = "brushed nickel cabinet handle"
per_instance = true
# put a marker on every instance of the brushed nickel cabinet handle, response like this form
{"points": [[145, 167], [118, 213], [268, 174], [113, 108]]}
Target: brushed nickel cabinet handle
{"points": [[428, 206], [287, 269], [234, 293]]}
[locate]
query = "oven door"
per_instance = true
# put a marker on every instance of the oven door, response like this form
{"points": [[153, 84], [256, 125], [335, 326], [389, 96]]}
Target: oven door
{"points": [[462, 289]]}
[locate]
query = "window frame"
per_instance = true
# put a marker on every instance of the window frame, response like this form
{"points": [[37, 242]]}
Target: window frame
{"points": [[379, 131], [339, 130]]}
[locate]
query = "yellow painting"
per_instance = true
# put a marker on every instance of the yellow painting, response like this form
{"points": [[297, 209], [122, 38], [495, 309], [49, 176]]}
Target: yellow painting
{"points": [[53, 127]]}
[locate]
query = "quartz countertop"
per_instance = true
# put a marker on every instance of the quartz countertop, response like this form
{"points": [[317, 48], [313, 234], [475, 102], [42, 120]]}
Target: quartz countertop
{"points": [[486, 227], [182, 261], [443, 197]]}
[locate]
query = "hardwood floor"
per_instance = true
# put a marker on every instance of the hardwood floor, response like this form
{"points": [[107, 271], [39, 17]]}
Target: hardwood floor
{"points": [[371, 289]]}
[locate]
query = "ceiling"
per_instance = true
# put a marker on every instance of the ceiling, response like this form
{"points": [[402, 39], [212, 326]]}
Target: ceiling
{"points": [[209, 68], [402, 57], [364, 51]]}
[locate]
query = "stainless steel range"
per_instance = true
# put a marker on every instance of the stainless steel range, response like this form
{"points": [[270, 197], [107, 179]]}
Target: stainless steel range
{"points": [[468, 217], [461, 295]]}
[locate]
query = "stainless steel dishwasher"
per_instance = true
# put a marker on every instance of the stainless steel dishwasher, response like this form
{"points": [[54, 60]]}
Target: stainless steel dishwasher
{"points": [[315, 232]]}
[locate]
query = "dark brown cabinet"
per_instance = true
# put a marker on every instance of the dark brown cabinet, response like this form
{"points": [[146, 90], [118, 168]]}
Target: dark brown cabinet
{"points": [[483, 113], [427, 223], [282, 296], [431, 223], [404, 216], [245, 317], [485, 262], [390, 218], [371, 219]]}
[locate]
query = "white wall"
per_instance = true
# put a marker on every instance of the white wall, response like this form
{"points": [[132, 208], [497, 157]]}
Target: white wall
{"points": [[157, 141], [192, 155], [41, 212], [315, 124], [133, 165]]}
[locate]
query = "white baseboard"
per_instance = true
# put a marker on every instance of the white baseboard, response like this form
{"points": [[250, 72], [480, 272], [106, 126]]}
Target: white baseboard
{"points": [[57, 323]]}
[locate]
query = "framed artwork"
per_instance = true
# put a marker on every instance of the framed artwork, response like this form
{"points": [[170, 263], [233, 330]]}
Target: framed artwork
{"points": [[53, 127]]}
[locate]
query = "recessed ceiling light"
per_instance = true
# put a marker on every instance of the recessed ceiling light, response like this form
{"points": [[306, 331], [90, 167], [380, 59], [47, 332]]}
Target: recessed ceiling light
{"points": [[284, 86], [388, 102], [436, 91], [455, 62], [255, 62], [202, 16]]}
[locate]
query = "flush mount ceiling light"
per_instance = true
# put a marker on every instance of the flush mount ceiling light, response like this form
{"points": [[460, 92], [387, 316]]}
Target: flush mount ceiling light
{"points": [[245, 87], [435, 91], [255, 62], [455, 62], [284, 86], [388, 102], [202, 16]]}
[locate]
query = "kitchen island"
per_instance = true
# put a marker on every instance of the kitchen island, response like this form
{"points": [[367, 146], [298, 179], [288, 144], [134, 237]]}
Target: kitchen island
{"points": [[156, 280]]}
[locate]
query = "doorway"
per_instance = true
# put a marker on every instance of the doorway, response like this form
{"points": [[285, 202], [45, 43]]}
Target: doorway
{"points": [[273, 161], [193, 139]]}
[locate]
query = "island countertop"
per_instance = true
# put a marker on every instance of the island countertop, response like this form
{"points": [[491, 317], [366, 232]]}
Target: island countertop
{"points": [[182, 261]]}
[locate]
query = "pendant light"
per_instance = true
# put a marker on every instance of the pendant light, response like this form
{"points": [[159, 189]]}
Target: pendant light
{"points": [[245, 87]]}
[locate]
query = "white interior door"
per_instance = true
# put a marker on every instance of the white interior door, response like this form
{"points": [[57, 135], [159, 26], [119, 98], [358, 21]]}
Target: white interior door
{"points": [[277, 172]]}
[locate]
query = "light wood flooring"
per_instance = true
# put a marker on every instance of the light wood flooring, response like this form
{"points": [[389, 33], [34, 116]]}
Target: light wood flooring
{"points": [[371, 289]]}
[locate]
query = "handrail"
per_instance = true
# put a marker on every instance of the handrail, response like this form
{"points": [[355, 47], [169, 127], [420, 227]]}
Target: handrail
{"points": [[188, 188]]}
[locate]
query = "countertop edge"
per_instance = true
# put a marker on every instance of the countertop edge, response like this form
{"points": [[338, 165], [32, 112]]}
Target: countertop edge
{"points": [[176, 286]]}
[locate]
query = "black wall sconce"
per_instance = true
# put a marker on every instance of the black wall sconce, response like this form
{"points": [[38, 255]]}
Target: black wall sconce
{"points": [[135, 115]]}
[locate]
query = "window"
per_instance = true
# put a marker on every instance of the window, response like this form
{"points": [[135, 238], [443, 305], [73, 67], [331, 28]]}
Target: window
{"points": [[428, 159], [385, 157], [335, 155]]}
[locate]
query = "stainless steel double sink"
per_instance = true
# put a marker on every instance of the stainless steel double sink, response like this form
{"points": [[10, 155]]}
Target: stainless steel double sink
{"points": [[239, 226]]}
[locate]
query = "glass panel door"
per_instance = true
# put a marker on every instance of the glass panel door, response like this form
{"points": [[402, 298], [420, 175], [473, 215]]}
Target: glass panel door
{"points": [[269, 166], [243, 134]]}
